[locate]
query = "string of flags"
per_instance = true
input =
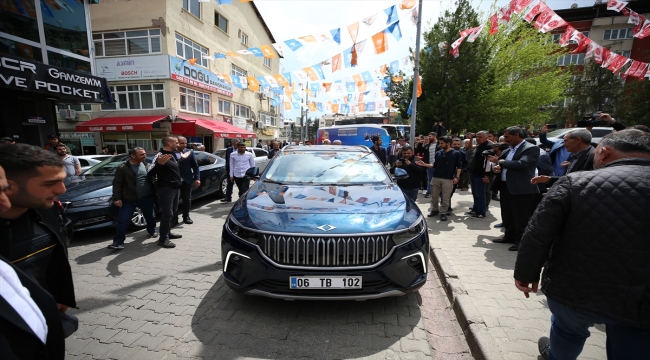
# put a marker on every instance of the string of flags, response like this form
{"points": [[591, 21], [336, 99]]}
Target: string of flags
{"points": [[545, 19]]}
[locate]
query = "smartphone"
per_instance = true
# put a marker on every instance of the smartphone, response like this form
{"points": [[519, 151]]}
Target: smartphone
{"points": [[551, 126]]}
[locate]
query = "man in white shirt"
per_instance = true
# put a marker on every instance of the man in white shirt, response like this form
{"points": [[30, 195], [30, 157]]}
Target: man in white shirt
{"points": [[72, 164], [241, 161]]}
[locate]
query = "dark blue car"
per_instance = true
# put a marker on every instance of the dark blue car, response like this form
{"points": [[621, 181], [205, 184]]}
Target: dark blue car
{"points": [[88, 202], [325, 222]]}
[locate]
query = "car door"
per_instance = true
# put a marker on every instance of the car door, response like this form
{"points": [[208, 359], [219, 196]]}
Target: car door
{"points": [[208, 174], [261, 158]]}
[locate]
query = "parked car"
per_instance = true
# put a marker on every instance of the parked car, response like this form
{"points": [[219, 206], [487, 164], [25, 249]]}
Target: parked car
{"points": [[325, 223], [88, 202], [597, 134], [261, 161], [88, 161]]}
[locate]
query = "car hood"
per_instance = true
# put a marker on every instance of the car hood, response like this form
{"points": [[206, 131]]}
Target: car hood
{"points": [[336, 209], [92, 186]]}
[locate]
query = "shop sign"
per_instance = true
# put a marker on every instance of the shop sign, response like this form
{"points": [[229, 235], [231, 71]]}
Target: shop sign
{"points": [[240, 123], [228, 119], [268, 132], [77, 135], [141, 127], [193, 75], [30, 76], [36, 120], [137, 67], [87, 142]]}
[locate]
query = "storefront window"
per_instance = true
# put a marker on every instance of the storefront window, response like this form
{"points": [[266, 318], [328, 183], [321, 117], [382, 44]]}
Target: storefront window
{"points": [[19, 20], [142, 140], [68, 62], [65, 26], [20, 50], [115, 142]]}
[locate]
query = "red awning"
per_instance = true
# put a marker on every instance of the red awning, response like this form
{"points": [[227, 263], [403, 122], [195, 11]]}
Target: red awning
{"points": [[119, 124], [220, 129]]}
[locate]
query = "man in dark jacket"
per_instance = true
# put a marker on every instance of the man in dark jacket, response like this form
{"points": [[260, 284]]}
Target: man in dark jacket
{"points": [[516, 166], [479, 176], [411, 185], [132, 188], [190, 174], [164, 169], [578, 143], [275, 149], [591, 230], [31, 231], [229, 151], [379, 150]]}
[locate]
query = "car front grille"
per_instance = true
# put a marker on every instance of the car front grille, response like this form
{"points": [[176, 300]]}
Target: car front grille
{"points": [[322, 251]]}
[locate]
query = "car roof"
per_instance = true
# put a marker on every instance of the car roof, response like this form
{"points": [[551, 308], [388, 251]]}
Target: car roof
{"points": [[566, 130], [352, 148]]}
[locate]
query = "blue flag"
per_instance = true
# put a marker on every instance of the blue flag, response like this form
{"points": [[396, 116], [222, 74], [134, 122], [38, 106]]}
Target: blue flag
{"points": [[263, 81], [287, 76], [370, 106], [296, 105], [336, 35], [314, 87], [395, 30], [392, 14], [349, 97], [256, 51], [296, 97], [385, 84], [347, 57], [394, 67], [410, 109], [219, 56], [367, 77], [236, 82], [224, 2], [319, 71], [351, 87], [293, 44], [319, 107]]}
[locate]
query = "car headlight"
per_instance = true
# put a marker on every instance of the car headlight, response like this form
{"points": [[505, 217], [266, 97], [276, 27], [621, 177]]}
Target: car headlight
{"points": [[101, 200], [242, 233], [409, 234]]}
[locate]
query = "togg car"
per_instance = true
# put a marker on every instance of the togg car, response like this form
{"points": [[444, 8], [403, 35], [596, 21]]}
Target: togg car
{"points": [[326, 223]]}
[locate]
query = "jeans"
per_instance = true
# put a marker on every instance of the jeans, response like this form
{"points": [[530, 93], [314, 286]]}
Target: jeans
{"points": [[168, 201], [478, 192], [229, 189], [243, 183], [570, 330], [429, 177], [441, 188], [411, 193], [186, 196], [125, 215]]}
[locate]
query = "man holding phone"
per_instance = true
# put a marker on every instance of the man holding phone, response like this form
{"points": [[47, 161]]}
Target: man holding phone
{"points": [[558, 153]]}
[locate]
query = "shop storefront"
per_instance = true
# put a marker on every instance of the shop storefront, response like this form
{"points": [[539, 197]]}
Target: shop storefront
{"points": [[123, 133], [216, 133], [79, 143], [29, 92]]}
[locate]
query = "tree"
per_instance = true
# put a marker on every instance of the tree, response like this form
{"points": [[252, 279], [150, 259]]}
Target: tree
{"points": [[399, 91], [634, 108]]}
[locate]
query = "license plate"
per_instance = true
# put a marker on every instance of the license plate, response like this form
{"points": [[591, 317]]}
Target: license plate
{"points": [[325, 282]]}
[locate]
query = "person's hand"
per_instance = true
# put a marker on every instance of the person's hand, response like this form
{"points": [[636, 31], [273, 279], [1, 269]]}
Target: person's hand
{"points": [[485, 180], [185, 155], [493, 158], [542, 179], [398, 164], [419, 162], [407, 162], [497, 169], [232, 179], [455, 181], [162, 159], [524, 286], [197, 183], [545, 128], [565, 164], [606, 117], [62, 308], [118, 203]]}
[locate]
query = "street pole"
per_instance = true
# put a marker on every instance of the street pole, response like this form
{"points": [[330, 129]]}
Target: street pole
{"points": [[416, 75], [303, 128]]}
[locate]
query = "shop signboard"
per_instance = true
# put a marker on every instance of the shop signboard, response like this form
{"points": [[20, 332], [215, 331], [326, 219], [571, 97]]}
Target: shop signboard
{"points": [[239, 122], [29, 76], [136, 67], [193, 75]]}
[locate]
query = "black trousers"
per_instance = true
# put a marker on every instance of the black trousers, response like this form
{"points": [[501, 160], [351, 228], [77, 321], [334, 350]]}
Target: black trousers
{"points": [[167, 201], [243, 183], [516, 211], [186, 196]]}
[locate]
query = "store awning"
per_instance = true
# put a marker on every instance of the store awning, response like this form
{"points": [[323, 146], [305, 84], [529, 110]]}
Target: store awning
{"points": [[219, 128], [119, 124]]}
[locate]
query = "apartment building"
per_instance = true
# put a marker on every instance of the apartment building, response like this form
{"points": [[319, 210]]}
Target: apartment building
{"points": [[159, 59]]}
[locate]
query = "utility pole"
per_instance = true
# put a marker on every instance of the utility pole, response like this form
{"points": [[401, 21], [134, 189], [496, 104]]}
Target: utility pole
{"points": [[416, 75], [303, 128]]}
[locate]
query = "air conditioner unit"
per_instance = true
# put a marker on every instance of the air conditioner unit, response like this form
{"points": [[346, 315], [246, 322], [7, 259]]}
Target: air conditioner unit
{"points": [[263, 96], [68, 114]]}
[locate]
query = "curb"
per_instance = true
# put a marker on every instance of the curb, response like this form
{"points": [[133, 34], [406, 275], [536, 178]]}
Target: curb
{"points": [[481, 343]]}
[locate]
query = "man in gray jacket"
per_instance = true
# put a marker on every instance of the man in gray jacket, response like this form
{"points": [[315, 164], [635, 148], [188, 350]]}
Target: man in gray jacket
{"points": [[132, 188], [516, 166]]}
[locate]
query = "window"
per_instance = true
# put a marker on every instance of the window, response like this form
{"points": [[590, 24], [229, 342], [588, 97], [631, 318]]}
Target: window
{"points": [[137, 97], [237, 71], [222, 23], [625, 53], [260, 153], [556, 38], [120, 43], [267, 62], [204, 159], [193, 7], [188, 49], [224, 107], [78, 108], [268, 119], [242, 111], [194, 101], [576, 59], [615, 34], [585, 33], [244, 38]]}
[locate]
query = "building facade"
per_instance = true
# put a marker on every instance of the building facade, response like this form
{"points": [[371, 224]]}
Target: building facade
{"points": [[159, 59]]}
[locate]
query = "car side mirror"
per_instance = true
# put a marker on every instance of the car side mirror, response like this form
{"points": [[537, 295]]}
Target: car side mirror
{"points": [[400, 174], [253, 172]]}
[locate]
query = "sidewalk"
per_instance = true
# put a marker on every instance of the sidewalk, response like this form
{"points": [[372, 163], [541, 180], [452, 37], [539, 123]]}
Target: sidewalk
{"points": [[499, 322]]}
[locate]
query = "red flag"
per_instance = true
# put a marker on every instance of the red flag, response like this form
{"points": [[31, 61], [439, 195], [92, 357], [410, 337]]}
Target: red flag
{"points": [[644, 31], [618, 63], [583, 41], [632, 69], [494, 24], [475, 33], [505, 13], [544, 17], [555, 22], [616, 5], [635, 18], [534, 11], [607, 57], [641, 71], [568, 34], [519, 5]]}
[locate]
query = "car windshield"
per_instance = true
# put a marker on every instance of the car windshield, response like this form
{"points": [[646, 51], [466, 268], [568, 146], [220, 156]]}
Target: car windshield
{"points": [[326, 167], [557, 133], [109, 165]]}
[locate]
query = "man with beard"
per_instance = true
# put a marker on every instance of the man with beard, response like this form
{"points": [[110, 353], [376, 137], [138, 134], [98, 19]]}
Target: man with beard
{"points": [[274, 150], [479, 177], [446, 170], [411, 185], [190, 175], [232, 148]]}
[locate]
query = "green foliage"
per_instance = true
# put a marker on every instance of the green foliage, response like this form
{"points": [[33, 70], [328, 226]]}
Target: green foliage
{"points": [[399, 92], [634, 108]]}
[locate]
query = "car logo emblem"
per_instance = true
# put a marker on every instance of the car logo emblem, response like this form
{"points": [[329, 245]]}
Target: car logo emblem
{"points": [[326, 227]]}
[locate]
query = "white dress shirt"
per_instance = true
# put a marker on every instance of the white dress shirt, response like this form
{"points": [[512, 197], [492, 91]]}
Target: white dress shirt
{"points": [[239, 163], [509, 157]]}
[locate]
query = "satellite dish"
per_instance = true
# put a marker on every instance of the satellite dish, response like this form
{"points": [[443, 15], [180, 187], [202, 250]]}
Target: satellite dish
{"points": [[575, 6]]}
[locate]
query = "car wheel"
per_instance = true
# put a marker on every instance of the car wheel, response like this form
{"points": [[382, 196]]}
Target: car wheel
{"points": [[138, 221], [223, 186]]}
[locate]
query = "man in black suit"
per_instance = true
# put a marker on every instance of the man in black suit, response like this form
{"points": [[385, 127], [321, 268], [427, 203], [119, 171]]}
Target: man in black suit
{"points": [[516, 166], [379, 150], [275, 149], [578, 143], [229, 150], [544, 166], [190, 175], [440, 129]]}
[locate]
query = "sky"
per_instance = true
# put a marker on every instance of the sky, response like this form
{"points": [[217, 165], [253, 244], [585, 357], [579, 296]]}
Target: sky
{"points": [[289, 19]]}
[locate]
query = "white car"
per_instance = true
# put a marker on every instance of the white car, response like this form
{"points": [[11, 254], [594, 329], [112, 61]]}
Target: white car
{"points": [[597, 134], [88, 161]]}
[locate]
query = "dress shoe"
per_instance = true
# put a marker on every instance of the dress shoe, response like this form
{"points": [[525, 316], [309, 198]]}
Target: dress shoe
{"points": [[174, 223], [514, 247], [499, 225], [433, 213], [175, 236], [543, 344], [496, 198], [502, 240], [188, 221], [443, 217], [167, 244], [427, 195], [225, 200]]}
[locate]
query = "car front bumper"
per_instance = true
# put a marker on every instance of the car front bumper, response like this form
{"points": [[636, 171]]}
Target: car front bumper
{"points": [[246, 270], [90, 217]]}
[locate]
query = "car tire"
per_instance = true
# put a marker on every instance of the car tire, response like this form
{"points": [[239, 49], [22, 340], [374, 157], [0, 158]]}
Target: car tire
{"points": [[138, 221], [223, 185]]}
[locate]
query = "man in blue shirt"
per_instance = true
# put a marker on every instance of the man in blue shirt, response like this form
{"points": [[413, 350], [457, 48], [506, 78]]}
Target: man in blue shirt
{"points": [[558, 152]]}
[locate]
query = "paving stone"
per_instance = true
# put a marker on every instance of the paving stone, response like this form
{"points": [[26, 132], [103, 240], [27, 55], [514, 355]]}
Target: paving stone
{"points": [[124, 337]]}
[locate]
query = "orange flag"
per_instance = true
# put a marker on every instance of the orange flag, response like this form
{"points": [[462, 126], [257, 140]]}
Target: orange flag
{"points": [[383, 69], [362, 87], [397, 79], [353, 61], [192, 61], [245, 0], [335, 108], [231, 53], [282, 81], [358, 79], [362, 107], [253, 84], [336, 63], [379, 40], [327, 86], [308, 38], [360, 97], [227, 78], [354, 31], [268, 51], [419, 86], [289, 90], [312, 107], [313, 75], [407, 4], [287, 105]]}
